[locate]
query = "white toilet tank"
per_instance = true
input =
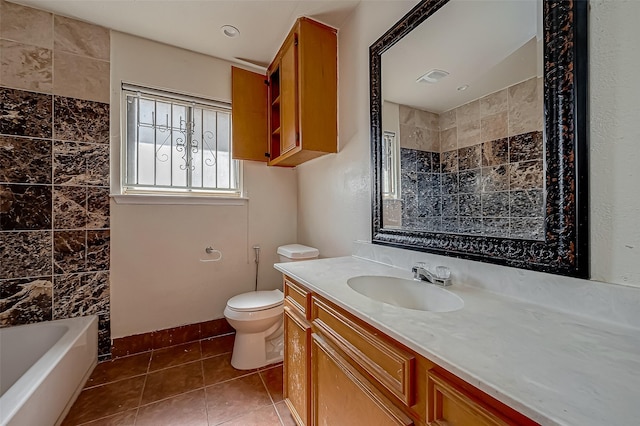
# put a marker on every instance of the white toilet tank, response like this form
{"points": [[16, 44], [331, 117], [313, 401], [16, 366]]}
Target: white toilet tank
{"points": [[295, 252]]}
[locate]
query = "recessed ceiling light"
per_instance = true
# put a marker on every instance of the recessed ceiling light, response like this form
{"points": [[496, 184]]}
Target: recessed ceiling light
{"points": [[462, 88], [230, 31], [432, 76]]}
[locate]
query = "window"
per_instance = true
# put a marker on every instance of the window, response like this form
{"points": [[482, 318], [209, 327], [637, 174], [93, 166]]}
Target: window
{"points": [[390, 169], [177, 144]]}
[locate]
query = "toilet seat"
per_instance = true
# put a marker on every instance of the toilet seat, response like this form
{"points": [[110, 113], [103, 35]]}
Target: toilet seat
{"points": [[256, 301]]}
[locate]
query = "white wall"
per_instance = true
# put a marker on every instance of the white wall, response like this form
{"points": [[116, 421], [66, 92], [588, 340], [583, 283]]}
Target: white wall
{"points": [[334, 192], [157, 280]]}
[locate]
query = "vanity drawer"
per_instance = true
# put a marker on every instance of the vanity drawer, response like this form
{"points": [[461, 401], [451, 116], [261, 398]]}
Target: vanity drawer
{"points": [[390, 366], [297, 295], [450, 405]]}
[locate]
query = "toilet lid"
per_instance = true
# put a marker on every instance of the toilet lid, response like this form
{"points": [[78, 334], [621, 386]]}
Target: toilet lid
{"points": [[256, 300]]}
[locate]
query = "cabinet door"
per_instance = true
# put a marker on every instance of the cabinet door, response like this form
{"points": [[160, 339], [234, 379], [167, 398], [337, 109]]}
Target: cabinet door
{"points": [[249, 115], [297, 338], [289, 133], [342, 396]]}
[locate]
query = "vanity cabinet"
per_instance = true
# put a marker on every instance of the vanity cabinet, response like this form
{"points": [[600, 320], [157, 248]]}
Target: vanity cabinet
{"points": [[355, 374], [292, 115]]}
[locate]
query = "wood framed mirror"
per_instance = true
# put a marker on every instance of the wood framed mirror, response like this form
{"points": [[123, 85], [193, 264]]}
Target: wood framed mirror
{"points": [[471, 166]]}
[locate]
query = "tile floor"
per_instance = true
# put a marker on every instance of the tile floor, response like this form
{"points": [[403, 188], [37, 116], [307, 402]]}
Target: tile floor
{"points": [[191, 384]]}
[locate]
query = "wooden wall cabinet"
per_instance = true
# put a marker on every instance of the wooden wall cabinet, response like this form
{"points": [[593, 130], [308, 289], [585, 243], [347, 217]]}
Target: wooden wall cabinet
{"points": [[357, 375], [292, 115]]}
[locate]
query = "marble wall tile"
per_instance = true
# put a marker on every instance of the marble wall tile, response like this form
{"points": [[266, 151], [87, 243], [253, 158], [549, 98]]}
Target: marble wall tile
{"points": [[470, 205], [24, 160], [26, 25], [427, 120], [430, 206], [450, 225], [424, 162], [69, 207], [429, 184], [430, 141], [98, 208], [104, 335], [468, 133], [528, 203], [527, 228], [450, 184], [526, 175], [81, 77], [407, 115], [25, 207], [495, 178], [494, 126], [98, 250], [76, 163], [97, 161], [449, 161], [409, 182], [25, 301], [25, 113], [408, 159], [471, 225], [80, 120], [495, 152], [526, 146], [26, 67], [410, 136], [449, 139], [450, 206], [25, 254], [80, 294], [81, 38], [469, 181], [495, 204], [448, 120], [525, 109], [469, 112], [470, 157], [68, 252], [496, 226], [494, 103]]}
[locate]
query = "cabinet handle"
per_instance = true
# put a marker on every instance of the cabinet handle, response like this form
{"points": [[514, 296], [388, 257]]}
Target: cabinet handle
{"points": [[267, 82], [266, 154]]}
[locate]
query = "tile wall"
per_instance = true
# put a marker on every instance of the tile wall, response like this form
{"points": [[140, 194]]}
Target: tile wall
{"points": [[54, 169], [476, 169]]}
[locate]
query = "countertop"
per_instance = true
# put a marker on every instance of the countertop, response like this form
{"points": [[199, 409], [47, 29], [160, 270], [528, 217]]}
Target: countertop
{"points": [[556, 368]]}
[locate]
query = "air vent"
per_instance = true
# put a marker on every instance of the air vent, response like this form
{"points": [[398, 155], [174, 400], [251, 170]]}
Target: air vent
{"points": [[432, 76]]}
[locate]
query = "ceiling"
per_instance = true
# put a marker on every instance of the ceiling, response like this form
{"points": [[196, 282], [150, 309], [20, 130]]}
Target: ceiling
{"points": [[195, 25]]}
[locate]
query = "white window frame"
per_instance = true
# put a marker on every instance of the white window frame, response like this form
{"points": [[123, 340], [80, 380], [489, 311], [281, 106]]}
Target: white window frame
{"points": [[172, 195]]}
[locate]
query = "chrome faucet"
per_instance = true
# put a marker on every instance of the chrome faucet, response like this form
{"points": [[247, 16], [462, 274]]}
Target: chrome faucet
{"points": [[441, 278]]}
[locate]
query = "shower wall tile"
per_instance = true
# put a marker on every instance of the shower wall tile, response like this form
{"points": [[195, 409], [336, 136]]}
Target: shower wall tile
{"points": [[448, 120], [77, 163], [495, 178], [97, 208], [469, 181], [527, 228], [407, 115], [26, 25], [494, 126], [450, 184], [408, 159], [468, 133], [427, 120], [26, 67], [496, 227], [525, 108], [80, 120], [97, 158], [424, 162], [495, 204], [429, 184], [449, 161], [527, 203], [69, 249], [495, 152], [449, 206], [494, 103], [80, 294], [25, 301], [24, 207], [471, 225], [24, 160], [430, 206], [449, 139], [69, 207], [526, 146], [469, 205], [469, 112], [25, 113], [470, 157], [80, 38], [526, 175], [98, 250], [25, 254], [91, 81]]}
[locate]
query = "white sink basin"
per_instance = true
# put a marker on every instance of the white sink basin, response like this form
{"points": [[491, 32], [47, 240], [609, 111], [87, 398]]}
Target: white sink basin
{"points": [[409, 294]]}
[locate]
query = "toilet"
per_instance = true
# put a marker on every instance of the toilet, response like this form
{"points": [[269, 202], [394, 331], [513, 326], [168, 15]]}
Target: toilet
{"points": [[257, 317]]}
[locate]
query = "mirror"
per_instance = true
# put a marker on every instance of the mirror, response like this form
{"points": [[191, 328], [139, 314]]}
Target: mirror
{"points": [[478, 132]]}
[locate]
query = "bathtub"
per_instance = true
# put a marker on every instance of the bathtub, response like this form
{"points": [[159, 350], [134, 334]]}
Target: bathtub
{"points": [[43, 368]]}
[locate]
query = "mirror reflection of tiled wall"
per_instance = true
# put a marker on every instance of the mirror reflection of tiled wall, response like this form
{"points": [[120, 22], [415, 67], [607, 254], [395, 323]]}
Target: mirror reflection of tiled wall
{"points": [[476, 169]]}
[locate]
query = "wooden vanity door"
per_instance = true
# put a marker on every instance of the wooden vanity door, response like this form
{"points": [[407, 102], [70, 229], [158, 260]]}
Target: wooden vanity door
{"points": [[342, 396], [297, 342]]}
